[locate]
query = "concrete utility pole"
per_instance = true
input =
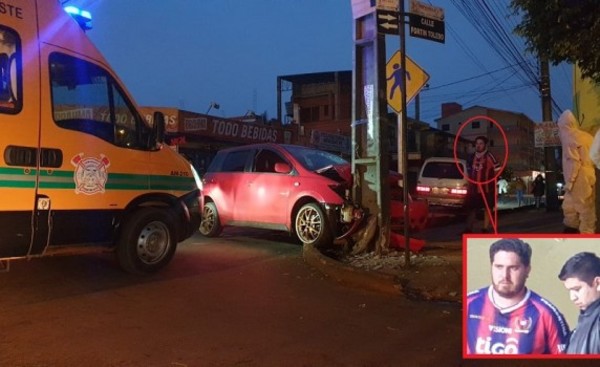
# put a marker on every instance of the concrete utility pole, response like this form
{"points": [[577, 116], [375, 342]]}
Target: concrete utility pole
{"points": [[370, 142], [549, 152], [403, 134]]}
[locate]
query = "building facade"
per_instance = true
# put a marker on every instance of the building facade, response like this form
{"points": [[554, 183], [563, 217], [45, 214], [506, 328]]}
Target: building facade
{"points": [[318, 114], [199, 136], [510, 133]]}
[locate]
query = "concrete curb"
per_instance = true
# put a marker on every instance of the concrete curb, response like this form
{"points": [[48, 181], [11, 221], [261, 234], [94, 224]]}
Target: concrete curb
{"points": [[349, 275], [380, 282]]}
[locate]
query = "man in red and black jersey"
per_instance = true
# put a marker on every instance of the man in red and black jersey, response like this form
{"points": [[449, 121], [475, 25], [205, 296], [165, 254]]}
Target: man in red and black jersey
{"points": [[482, 168], [507, 317]]}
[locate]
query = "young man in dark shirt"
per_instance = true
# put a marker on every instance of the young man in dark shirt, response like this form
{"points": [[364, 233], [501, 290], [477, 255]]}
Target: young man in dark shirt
{"points": [[581, 276]]}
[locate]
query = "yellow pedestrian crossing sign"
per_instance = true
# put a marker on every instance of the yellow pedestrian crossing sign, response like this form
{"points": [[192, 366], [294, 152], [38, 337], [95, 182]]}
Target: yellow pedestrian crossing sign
{"points": [[416, 78]]}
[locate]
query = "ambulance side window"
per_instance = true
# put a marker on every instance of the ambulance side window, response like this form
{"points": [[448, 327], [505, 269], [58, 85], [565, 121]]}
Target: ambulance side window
{"points": [[10, 71], [86, 98]]}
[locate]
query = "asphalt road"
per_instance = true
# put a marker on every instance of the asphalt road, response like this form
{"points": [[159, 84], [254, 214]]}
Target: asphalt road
{"points": [[245, 299], [233, 301]]}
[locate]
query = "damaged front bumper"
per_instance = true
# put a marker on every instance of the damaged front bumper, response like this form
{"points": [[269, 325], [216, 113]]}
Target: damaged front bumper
{"points": [[344, 219]]}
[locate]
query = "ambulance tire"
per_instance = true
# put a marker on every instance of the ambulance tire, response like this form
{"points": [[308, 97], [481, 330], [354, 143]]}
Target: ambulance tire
{"points": [[210, 225], [148, 241]]}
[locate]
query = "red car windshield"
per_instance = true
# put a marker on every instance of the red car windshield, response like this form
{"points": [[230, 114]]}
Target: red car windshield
{"points": [[313, 159]]}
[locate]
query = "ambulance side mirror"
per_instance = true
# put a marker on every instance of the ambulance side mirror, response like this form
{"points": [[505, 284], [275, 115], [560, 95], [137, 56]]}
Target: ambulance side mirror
{"points": [[158, 128]]}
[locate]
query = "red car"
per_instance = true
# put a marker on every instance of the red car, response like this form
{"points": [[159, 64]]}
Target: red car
{"points": [[296, 189]]}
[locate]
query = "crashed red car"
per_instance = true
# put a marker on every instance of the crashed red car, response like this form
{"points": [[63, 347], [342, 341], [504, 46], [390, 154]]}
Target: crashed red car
{"points": [[297, 189]]}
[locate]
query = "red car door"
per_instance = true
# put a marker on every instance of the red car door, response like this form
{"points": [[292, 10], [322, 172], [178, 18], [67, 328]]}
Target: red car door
{"points": [[223, 183], [263, 194]]}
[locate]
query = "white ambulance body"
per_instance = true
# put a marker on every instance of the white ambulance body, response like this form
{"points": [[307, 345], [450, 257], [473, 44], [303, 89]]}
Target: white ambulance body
{"points": [[79, 167]]}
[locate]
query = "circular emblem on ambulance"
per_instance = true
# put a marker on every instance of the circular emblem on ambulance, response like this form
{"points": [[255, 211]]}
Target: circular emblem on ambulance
{"points": [[90, 174]]}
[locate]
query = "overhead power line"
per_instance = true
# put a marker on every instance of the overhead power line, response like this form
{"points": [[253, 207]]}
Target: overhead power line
{"points": [[499, 35], [470, 78]]}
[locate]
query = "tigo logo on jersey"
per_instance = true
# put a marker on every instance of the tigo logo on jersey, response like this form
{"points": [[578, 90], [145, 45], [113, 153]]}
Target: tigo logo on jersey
{"points": [[485, 346]]}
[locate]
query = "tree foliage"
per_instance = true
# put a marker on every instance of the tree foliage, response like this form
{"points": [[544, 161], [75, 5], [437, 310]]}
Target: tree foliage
{"points": [[562, 30]]}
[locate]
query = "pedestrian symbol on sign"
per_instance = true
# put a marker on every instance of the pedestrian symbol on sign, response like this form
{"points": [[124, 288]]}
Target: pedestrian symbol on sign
{"points": [[397, 83], [416, 78]]}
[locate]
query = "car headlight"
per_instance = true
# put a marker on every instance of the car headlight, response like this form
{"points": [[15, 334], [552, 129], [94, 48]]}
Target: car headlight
{"points": [[196, 177]]}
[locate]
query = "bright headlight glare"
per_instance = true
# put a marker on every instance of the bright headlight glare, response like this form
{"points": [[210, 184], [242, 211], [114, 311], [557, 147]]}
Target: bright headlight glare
{"points": [[196, 177]]}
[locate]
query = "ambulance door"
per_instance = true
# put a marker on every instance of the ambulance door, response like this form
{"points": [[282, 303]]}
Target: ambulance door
{"points": [[19, 127]]}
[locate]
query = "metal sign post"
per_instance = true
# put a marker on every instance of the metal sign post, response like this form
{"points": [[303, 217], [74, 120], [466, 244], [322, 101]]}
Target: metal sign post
{"points": [[370, 158], [403, 133]]}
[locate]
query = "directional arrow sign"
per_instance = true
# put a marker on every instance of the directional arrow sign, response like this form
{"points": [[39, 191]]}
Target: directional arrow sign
{"points": [[387, 22]]}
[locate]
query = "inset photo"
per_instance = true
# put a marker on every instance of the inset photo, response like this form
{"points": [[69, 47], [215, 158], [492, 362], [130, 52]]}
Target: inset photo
{"points": [[531, 296]]}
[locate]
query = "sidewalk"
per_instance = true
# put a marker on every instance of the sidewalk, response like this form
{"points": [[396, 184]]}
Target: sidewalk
{"points": [[436, 272], [510, 219]]}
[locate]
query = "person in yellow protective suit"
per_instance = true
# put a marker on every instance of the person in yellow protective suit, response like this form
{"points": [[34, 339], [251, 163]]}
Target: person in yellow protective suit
{"points": [[579, 205]]}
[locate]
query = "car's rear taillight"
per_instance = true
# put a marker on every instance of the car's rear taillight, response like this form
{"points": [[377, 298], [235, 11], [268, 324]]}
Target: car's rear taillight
{"points": [[458, 191], [423, 189]]}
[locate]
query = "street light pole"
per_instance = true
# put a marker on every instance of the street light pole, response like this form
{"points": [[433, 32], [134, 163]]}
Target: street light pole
{"points": [[212, 104], [549, 152]]}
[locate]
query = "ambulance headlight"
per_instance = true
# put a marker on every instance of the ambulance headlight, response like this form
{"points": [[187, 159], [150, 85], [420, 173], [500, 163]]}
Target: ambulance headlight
{"points": [[196, 177]]}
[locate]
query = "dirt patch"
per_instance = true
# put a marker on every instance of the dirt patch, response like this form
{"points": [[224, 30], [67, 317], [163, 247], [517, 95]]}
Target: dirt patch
{"points": [[429, 276]]}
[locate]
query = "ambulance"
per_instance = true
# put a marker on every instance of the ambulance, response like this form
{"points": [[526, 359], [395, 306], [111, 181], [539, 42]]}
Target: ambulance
{"points": [[80, 170]]}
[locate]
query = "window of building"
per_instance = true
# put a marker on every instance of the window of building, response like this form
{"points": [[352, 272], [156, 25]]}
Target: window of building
{"points": [[11, 74], [304, 115], [411, 144], [86, 98], [475, 124], [314, 114]]}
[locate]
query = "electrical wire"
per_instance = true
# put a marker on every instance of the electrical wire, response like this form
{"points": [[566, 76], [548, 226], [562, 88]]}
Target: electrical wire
{"points": [[475, 59], [470, 78], [494, 29]]}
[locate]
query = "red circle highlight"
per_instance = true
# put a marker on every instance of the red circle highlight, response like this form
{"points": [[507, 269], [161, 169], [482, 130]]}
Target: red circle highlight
{"points": [[505, 160]]}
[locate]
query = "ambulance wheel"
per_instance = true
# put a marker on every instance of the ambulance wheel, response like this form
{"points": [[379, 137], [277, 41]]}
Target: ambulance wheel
{"points": [[147, 241], [210, 225], [311, 226]]}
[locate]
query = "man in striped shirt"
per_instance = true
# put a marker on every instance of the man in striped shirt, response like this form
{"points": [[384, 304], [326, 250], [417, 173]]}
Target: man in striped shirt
{"points": [[482, 167], [507, 317]]}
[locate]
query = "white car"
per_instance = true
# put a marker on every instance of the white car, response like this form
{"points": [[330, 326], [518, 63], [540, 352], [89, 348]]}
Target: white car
{"points": [[442, 181]]}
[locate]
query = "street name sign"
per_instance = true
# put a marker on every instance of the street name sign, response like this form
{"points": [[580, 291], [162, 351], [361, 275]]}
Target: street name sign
{"points": [[426, 21], [426, 10], [426, 28]]}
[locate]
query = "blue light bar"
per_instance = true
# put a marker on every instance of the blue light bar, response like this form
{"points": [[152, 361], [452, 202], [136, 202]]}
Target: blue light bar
{"points": [[72, 10], [83, 17], [76, 11]]}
